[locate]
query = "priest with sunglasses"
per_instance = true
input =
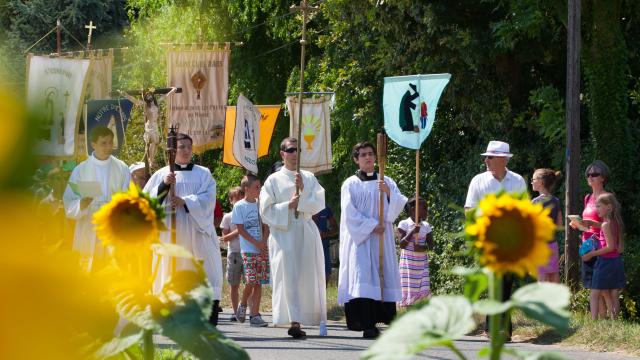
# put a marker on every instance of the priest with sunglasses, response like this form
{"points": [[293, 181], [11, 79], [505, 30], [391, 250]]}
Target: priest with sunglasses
{"points": [[295, 246]]}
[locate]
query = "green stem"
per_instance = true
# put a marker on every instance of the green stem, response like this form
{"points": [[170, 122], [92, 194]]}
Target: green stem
{"points": [[495, 293], [147, 343], [456, 351]]}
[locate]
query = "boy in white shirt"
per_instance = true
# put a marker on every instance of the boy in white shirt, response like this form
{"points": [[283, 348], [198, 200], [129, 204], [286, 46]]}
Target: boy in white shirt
{"points": [[234, 258]]}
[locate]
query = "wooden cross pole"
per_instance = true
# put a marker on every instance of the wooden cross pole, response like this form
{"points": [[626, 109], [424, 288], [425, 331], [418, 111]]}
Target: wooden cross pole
{"points": [[305, 10], [91, 27], [59, 37]]}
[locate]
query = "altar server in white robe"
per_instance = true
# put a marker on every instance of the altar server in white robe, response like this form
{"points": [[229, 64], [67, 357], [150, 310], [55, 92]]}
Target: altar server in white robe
{"points": [[360, 233], [112, 176], [194, 201], [295, 247]]}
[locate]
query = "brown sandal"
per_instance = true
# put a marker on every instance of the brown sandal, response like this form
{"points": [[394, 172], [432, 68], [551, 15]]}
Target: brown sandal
{"points": [[295, 331]]}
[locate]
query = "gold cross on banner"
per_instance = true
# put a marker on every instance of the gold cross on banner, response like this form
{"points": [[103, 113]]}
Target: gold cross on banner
{"points": [[90, 27]]}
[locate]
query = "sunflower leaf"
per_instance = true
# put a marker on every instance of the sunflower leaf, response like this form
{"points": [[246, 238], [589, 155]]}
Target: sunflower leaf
{"points": [[171, 250], [491, 307], [545, 302], [117, 345], [187, 327], [439, 322]]}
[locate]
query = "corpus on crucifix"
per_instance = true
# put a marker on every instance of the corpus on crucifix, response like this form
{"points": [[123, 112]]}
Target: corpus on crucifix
{"points": [[151, 113]]}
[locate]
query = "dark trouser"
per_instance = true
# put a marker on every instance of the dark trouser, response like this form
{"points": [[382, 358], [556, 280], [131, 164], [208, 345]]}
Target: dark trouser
{"points": [[364, 313], [507, 289], [213, 319]]}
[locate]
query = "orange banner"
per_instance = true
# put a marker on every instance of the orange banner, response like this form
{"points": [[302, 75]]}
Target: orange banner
{"points": [[269, 115]]}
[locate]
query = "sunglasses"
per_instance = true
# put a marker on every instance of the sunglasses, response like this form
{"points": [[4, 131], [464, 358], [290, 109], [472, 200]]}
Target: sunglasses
{"points": [[290, 150], [593, 175], [489, 157]]}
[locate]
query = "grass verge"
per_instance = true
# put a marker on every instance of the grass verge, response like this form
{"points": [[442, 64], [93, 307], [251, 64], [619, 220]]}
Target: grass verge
{"points": [[595, 335]]}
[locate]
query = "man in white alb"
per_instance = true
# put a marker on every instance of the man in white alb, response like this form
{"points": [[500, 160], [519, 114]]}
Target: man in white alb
{"points": [[366, 301], [193, 203], [295, 246]]}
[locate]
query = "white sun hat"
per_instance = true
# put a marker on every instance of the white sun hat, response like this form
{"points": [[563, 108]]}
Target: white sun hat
{"points": [[136, 166], [497, 148]]}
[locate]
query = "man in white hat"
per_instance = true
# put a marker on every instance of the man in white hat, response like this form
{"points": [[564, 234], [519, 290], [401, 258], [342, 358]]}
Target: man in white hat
{"points": [[496, 178], [138, 174]]}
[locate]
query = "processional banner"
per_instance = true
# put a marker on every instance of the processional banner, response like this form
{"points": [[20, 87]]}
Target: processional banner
{"points": [[199, 110], [99, 86], [315, 145], [246, 134], [55, 90], [113, 114], [409, 104], [268, 116]]}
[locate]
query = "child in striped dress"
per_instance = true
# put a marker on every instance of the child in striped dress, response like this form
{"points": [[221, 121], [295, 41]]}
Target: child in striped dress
{"points": [[414, 262]]}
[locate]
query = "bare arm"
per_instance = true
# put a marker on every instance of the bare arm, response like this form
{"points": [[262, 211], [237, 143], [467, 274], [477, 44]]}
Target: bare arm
{"points": [[242, 232], [228, 235], [164, 96], [612, 243], [131, 98]]}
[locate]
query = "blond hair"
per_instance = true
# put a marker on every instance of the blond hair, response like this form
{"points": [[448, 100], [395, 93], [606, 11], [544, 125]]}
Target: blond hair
{"points": [[614, 217]]}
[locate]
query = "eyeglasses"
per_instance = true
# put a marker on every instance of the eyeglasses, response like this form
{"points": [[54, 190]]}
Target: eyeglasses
{"points": [[290, 150], [593, 175]]}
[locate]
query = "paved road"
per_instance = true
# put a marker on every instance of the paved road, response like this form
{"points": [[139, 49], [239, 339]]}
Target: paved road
{"points": [[271, 343]]}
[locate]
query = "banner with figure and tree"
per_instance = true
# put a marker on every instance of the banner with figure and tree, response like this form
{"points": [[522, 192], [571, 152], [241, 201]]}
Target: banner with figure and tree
{"points": [[56, 86]]}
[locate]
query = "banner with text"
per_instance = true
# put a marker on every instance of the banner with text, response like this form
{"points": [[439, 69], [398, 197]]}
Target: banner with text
{"points": [[99, 86], [246, 134], [268, 116], [315, 145], [114, 114], [199, 110], [55, 90]]}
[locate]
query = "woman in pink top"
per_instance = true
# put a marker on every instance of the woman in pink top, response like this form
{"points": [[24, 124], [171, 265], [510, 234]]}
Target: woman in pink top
{"points": [[597, 174], [608, 274]]}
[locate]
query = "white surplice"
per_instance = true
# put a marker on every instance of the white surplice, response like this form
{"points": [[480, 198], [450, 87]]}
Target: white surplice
{"points": [[113, 176], [194, 229], [360, 247], [295, 249]]}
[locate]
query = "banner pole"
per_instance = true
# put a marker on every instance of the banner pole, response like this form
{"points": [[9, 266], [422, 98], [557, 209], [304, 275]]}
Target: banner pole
{"points": [[417, 203]]}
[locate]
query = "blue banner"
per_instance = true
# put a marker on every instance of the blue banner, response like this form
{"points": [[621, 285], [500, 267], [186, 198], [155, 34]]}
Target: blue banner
{"points": [[409, 105], [114, 114]]}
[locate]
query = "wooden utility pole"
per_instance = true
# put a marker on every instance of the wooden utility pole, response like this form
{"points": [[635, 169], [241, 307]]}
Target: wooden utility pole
{"points": [[572, 165], [305, 10], [59, 37]]}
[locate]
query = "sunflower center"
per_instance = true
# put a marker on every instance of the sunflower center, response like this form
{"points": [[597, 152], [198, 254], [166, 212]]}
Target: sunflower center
{"points": [[512, 234], [129, 224]]}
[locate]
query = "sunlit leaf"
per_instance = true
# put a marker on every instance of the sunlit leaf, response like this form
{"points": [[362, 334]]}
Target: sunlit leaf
{"points": [[439, 322]]}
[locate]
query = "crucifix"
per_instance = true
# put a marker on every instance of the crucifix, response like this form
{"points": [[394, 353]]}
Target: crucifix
{"points": [[151, 113], [91, 27]]}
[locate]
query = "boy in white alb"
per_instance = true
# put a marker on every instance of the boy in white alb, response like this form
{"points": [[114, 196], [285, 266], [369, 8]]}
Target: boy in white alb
{"points": [[112, 175]]}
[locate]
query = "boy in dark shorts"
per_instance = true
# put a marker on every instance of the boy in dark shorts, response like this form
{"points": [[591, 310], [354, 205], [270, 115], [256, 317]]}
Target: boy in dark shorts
{"points": [[234, 258]]}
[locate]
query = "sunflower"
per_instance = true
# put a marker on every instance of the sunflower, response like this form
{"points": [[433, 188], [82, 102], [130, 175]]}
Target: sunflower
{"points": [[511, 234], [130, 221]]}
